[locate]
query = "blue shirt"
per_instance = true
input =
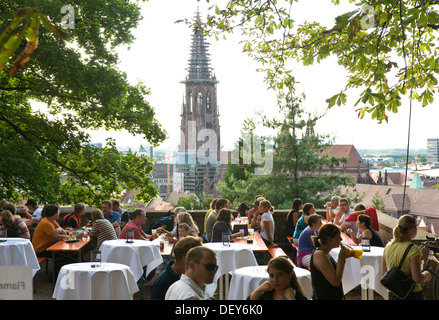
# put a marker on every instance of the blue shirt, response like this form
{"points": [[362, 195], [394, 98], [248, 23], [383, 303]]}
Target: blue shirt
{"points": [[300, 226], [114, 216], [305, 241], [163, 282]]}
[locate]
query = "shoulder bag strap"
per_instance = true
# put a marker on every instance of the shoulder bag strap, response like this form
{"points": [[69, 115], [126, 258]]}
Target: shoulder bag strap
{"points": [[405, 255]]}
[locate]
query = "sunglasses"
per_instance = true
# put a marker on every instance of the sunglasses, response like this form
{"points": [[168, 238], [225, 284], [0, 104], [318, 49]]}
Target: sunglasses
{"points": [[209, 266]]}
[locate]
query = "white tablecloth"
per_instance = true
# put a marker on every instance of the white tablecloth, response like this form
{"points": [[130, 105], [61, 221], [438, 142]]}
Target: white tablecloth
{"points": [[230, 258], [246, 280], [110, 281], [136, 255], [18, 252], [365, 271]]}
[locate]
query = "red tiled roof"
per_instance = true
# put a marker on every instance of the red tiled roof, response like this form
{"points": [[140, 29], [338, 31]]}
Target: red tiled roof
{"points": [[349, 151]]}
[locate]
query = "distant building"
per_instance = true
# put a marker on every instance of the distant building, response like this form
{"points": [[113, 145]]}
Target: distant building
{"points": [[198, 155], [355, 166], [142, 151], [162, 178], [433, 151], [419, 202]]}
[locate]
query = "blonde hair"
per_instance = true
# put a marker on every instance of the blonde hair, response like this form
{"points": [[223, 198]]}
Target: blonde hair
{"points": [[267, 204], [405, 222], [185, 217]]}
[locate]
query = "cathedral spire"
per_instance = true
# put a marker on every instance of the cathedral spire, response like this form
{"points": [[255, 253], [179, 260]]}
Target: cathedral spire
{"points": [[199, 61]]}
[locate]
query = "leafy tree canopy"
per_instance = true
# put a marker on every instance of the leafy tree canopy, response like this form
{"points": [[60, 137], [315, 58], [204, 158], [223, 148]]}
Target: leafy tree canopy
{"points": [[73, 71], [301, 162], [388, 47]]}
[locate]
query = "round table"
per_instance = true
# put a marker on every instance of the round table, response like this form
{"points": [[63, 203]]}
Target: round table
{"points": [[246, 280], [230, 258], [18, 252], [136, 255], [365, 271], [82, 281]]}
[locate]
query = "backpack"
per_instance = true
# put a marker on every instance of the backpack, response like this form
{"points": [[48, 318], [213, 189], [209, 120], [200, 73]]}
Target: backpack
{"points": [[166, 221], [65, 221]]}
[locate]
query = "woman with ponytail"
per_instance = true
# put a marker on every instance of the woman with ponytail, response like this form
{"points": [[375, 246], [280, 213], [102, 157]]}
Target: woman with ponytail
{"points": [[403, 234], [266, 211], [326, 273]]}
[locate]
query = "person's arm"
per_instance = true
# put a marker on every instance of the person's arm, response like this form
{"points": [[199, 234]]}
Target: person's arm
{"points": [[329, 213], [324, 265], [337, 218], [265, 286], [267, 225], [353, 237], [161, 230], [415, 267], [60, 234], [236, 235], [295, 218], [383, 265]]}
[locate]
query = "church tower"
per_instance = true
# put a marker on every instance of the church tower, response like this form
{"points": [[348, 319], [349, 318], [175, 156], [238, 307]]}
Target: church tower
{"points": [[200, 142]]}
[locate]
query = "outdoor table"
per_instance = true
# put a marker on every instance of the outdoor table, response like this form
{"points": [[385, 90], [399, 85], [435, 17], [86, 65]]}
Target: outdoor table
{"points": [[18, 252], [82, 281], [230, 258], [246, 280], [365, 272], [136, 255], [258, 244], [67, 250], [167, 247]]}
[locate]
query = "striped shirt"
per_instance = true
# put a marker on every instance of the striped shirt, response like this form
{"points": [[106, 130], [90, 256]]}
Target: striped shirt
{"points": [[103, 230]]}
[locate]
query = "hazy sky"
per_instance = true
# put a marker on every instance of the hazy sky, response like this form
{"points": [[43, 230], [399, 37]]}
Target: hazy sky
{"points": [[159, 58]]}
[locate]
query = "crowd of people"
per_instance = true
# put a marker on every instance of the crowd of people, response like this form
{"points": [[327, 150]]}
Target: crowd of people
{"points": [[193, 265]]}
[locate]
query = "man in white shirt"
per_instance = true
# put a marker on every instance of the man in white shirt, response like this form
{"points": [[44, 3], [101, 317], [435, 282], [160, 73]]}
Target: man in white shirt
{"points": [[200, 270], [345, 211], [32, 205]]}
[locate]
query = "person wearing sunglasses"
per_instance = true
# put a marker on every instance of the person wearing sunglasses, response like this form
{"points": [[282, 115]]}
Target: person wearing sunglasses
{"points": [[201, 267]]}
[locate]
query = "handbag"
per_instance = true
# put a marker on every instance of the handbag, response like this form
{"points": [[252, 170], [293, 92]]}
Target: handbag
{"points": [[397, 281]]}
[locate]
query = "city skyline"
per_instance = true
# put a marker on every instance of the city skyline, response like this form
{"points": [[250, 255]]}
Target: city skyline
{"points": [[162, 49]]}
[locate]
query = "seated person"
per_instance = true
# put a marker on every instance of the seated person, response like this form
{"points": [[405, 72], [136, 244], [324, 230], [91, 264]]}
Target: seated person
{"points": [[366, 231], [343, 214], [102, 228], [302, 223], [326, 273], [112, 216], [174, 233], [7, 222], [305, 244], [73, 219], [174, 268], [22, 226], [48, 231], [222, 225], [124, 214], [185, 217], [282, 283], [36, 216], [183, 230], [201, 267], [371, 212], [211, 219], [139, 219]]}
